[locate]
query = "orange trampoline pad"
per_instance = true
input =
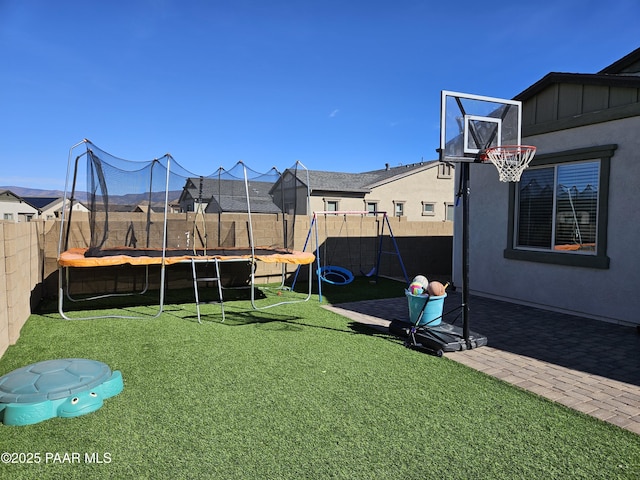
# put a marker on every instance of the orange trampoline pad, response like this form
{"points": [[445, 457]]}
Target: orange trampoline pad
{"points": [[75, 257]]}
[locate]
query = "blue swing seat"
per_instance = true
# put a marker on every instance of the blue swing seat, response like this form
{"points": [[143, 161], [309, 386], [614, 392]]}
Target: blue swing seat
{"points": [[335, 275]]}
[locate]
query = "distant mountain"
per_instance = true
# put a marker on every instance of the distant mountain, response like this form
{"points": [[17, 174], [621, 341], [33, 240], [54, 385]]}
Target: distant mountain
{"points": [[130, 199], [33, 192]]}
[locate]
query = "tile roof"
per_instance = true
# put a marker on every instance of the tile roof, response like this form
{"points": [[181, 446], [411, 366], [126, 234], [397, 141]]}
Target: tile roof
{"points": [[230, 195], [365, 181]]}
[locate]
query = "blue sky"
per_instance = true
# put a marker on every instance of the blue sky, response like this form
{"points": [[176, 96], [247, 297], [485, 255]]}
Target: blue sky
{"points": [[339, 85]]}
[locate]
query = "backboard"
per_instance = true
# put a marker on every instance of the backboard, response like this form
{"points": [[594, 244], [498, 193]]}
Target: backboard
{"points": [[469, 124]]}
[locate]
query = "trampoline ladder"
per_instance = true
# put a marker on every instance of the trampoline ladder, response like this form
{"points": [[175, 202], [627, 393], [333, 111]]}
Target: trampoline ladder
{"points": [[215, 279]]}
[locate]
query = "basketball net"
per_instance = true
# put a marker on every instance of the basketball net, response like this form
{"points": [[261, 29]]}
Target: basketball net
{"points": [[510, 160]]}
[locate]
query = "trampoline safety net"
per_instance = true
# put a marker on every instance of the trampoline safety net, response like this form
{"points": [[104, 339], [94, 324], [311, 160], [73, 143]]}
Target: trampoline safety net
{"points": [[148, 205]]}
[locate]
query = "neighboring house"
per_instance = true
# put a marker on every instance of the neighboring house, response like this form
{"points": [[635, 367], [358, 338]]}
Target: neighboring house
{"points": [[50, 208], [14, 209], [421, 191], [217, 196], [24, 209], [174, 206], [144, 208], [565, 237]]}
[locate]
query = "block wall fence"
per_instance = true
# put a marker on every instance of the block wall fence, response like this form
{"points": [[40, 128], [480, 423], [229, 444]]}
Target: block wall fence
{"points": [[28, 271]]}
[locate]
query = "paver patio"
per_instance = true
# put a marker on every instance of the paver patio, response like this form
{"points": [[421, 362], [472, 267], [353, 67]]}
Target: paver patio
{"points": [[585, 364]]}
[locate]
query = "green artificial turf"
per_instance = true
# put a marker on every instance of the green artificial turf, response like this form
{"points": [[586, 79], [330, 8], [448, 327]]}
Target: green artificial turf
{"points": [[296, 392]]}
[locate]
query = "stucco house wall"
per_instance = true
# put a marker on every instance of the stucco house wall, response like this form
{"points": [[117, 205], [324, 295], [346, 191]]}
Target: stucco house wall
{"points": [[412, 189], [319, 203], [53, 210], [603, 293]]}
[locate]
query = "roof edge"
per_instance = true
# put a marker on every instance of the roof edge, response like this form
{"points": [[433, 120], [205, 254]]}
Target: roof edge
{"points": [[584, 78], [619, 65]]}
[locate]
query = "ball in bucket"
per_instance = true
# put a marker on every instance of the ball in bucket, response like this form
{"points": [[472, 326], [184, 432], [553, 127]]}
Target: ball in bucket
{"points": [[436, 289], [418, 285]]}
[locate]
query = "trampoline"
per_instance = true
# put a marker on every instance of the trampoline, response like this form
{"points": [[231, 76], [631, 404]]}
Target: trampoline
{"points": [[157, 214]]}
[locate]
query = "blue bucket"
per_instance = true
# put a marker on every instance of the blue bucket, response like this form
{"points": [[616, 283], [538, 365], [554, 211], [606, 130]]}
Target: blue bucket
{"points": [[432, 314]]}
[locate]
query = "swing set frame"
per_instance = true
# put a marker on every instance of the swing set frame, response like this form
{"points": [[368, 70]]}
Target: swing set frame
{"points": [[341, 276]]}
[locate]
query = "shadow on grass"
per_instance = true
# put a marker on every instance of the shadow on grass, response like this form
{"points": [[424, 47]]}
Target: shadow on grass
{"points": [[372, 331], [273, 320], [147, 299], [233, 318], [362, 288]]}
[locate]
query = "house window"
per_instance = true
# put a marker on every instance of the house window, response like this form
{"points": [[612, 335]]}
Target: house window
{"points": [[444, 170], [428, 209], [372, 208], [398, 208], [8, 216], [450, 211], [558, 209], [331, 205]]}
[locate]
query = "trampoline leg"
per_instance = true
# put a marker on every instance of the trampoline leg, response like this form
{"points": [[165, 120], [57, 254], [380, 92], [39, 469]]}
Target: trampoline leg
{"points": [[195, 288]]}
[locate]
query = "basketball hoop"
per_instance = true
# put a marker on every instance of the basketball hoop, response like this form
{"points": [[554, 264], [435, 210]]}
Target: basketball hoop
{"points": [[510, 160]]}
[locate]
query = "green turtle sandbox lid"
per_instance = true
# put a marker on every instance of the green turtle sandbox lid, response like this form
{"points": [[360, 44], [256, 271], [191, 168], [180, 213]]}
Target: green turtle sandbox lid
{"points": [[66, 388]]}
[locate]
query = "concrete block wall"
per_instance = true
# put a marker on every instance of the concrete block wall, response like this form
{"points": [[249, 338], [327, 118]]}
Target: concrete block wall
{"points": [[21, 275], [351, 242], [4, 306]]}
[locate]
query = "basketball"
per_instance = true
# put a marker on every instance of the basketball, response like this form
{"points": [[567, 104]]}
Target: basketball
{"points": [[436, 289]]}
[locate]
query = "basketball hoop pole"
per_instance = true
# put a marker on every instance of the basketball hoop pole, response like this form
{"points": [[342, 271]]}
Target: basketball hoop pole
{"points": [[465, 252]]}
